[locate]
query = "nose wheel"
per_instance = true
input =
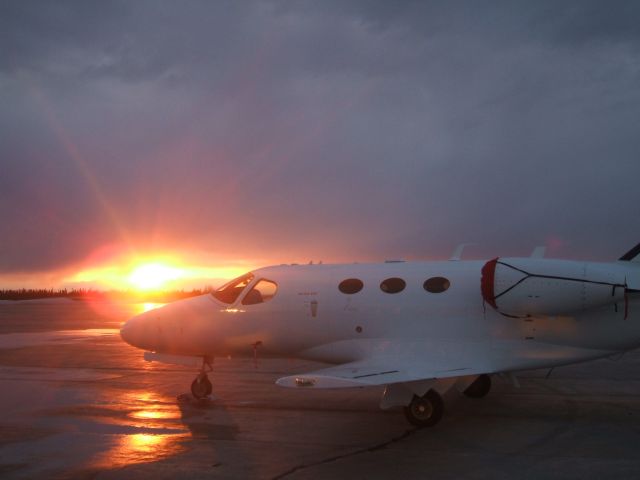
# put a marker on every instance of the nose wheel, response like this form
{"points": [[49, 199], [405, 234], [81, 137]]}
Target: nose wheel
{"points": [[201, 387]]}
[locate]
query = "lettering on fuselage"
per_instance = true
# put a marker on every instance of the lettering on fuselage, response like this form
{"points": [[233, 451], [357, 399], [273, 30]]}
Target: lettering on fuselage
{"points": [[312, 307]]}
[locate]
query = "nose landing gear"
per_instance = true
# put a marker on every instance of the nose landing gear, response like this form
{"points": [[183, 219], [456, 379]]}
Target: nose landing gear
{"points": [[201, 387]]}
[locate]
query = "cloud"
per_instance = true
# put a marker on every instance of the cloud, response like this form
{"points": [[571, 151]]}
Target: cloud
{"points": [[296, 130]]}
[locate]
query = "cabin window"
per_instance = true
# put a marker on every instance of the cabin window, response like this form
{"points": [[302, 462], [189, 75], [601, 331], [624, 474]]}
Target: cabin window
{"points": [[350, 286], [229, 292], [436, 284], [393, 285], [263, 291]]}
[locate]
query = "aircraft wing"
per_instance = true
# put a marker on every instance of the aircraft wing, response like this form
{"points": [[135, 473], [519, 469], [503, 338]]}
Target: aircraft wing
{"points": [[366, 373], [391, 362]]}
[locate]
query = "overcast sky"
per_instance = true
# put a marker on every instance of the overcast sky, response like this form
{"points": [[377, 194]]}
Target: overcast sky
{"points": [[288, 131]]}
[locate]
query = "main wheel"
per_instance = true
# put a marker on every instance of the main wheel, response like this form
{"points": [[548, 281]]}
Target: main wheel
{"points": [[479, 388], [201, 386], [425, 411]]}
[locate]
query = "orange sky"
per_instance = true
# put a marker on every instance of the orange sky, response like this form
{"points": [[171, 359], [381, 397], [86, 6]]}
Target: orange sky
{"points": [[153, 271]]}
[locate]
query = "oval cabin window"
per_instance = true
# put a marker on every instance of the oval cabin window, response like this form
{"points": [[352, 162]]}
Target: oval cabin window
{"points": [[350, 286], [436, 284], [393, 285]]}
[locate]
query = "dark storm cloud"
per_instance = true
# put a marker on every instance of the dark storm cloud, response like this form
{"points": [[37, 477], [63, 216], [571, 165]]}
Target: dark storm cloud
{"points": [[328, 129]]}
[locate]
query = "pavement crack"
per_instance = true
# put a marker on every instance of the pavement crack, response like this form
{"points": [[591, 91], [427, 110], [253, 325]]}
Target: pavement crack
{"points": [[335, 458]]}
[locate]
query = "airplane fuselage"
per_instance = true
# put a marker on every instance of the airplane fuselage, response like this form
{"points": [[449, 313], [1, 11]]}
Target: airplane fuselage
{"points": [[310, 317]]}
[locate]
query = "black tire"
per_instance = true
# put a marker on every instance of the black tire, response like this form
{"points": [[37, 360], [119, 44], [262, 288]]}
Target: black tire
{"points": [[201, 387], [479, 388], [425, 411]]}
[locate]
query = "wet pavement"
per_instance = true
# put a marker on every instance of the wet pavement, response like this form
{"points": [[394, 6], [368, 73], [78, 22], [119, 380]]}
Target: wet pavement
{"points": [[79, 403]]}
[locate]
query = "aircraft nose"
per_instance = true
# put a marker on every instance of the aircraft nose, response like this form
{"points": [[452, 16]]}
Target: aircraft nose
{"points": [[133, 331], [165, 329]]}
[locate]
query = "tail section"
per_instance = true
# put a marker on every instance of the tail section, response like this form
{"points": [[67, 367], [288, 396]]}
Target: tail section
{"points": [[632, 271]]}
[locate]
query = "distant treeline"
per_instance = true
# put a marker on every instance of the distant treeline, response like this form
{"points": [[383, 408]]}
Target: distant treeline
{"points": [[91, 294]]}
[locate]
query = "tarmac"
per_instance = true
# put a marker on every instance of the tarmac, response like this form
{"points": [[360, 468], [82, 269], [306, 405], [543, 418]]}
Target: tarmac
{"points": [[77, 402]]}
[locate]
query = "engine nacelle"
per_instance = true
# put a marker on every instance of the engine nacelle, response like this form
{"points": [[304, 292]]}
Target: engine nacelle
{"points": [[522, 287]]}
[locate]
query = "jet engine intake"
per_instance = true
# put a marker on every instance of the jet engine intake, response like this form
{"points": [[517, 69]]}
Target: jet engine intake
{"points": [[533, 287]]}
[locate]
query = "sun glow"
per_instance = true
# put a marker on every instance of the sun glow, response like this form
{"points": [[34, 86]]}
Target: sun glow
{"points": [[154, 275], [151, 273]]}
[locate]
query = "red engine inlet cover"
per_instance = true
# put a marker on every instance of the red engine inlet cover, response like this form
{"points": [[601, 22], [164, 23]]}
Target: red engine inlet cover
{"points": [[487, 282]]}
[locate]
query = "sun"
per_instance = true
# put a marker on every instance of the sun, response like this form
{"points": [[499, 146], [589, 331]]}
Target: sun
{"points": [[153, 275], [151, 272]]}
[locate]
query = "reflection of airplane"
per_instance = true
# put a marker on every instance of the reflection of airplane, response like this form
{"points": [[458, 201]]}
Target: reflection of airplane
{"points": [[419, 328]]}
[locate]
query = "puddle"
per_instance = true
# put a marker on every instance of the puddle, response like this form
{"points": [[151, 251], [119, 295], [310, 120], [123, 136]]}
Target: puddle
{"points": [[140, 448]]}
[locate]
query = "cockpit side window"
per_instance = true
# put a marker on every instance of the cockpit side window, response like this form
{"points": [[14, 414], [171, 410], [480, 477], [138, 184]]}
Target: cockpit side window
{"points": [[263, 291], [229, 292]]}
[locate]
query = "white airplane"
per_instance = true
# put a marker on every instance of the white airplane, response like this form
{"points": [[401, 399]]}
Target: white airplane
{"points": [[419, 328]]}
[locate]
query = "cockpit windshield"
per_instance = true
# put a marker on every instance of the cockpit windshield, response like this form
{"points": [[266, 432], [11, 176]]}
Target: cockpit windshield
{"points": [[229, 292]]}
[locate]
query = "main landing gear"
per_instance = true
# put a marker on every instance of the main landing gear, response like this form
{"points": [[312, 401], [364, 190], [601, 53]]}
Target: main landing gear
{"points": [[201, 387], [425, 411]]}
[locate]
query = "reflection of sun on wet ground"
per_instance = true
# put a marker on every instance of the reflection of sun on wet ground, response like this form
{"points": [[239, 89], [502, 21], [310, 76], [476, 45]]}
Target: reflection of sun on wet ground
{"points": [[144, 447], [152, 431], [150, 406], [154, 414]]}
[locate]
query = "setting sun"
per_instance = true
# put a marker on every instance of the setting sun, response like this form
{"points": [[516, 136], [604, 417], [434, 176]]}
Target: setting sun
{"points": [[152, 272], [153, 275]]}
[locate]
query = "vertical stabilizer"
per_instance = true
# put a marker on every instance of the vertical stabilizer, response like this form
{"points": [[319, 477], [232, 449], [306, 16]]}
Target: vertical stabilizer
{"points": [[632, 255]]}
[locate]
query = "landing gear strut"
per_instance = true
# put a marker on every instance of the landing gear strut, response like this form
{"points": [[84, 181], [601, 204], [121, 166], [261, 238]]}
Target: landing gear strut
{"points": [[425, 411], [479, 388], [201, 387]]}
